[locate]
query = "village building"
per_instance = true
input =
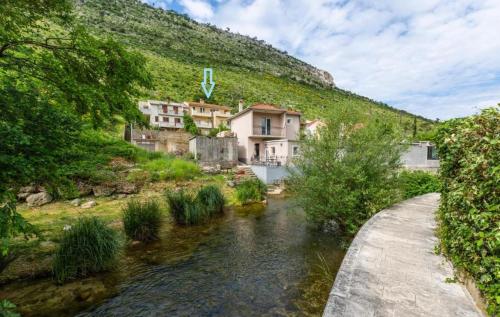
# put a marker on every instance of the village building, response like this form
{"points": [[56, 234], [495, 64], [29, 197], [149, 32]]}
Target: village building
{"points": [[421, 156], [267, 134], [207, 116], [163, 114]]}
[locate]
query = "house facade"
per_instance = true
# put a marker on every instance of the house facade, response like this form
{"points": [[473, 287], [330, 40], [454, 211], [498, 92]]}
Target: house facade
{"points": [[207, 116], [421, 156], [266, 134], [163, 114]]}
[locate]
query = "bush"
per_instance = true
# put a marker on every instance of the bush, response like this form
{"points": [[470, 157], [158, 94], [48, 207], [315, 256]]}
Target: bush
{"points": [[469, 214], [211, 198], [89, 246], [349, 172], [250, 190], [415, 183], [189, 210], [142, 221]]}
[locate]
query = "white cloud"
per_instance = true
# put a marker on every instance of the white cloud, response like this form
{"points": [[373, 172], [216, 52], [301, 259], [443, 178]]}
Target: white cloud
{"points": [[198, 9]]}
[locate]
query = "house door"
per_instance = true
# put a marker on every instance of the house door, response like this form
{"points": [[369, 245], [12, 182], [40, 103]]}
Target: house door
{"points": [[266, 126], [256, 150]]}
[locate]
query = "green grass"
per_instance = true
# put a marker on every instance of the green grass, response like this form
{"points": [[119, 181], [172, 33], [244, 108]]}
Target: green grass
{"points": [[89, 246], [250, 190], [211, 198], [167, 168], [142, 220], [188, 209]]}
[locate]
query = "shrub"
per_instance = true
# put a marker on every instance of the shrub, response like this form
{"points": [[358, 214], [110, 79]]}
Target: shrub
{"points": [[89, 246], [415, 183], [142, 221], [211, 198], [250, 190], [349, 172], [469, 213]]}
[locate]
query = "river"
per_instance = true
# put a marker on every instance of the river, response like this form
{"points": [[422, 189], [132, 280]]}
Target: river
{"points": [[255, 261]]}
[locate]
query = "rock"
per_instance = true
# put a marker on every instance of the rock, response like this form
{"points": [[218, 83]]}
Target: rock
{"points": [[89, 204], [121, 196], [126, 188], [23, 196], [38, 199], [103, 190], [76, 202], [211, 169], [28, 189], [231, 184], [84, 189], [331, 227]]}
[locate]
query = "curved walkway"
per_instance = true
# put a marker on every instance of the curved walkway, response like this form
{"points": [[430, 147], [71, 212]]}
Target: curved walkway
{"points": [[391, 269]]}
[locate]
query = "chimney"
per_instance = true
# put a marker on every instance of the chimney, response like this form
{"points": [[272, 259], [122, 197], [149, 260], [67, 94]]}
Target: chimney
{"points": [[240, 105], [202, 101]]}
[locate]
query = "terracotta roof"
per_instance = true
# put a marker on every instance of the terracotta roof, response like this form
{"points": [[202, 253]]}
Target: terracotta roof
{"points": [[264, 106], [208, 105]]}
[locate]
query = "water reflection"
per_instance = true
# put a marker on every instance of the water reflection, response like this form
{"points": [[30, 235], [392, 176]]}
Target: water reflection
{"points": [[255, 261]]}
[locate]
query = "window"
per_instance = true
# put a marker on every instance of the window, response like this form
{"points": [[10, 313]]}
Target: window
{"points": [[273, 150], [165, 108], [432, 153], [176, 109], [289, 120], [165, 119], [265, 126], [177, 120], [295, 150], [202, 110], [146, 107], [156, 119]]}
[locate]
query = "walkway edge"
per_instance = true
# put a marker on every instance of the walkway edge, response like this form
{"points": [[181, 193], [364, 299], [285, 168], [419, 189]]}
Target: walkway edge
{"points": [[390, 268]]}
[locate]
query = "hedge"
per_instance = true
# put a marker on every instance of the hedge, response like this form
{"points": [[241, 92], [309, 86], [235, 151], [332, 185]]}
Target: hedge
{"points": [[469, 214]]}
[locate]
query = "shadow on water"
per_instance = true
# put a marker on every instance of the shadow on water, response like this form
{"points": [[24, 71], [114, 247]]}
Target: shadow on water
{"points": [[255, 261]]}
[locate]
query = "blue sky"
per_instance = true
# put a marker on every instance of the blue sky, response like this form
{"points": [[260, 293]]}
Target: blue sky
{"points": [[436, 58]]}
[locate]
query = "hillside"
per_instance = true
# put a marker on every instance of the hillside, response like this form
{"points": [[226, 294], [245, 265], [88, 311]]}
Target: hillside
{"points": [[178, 48]]}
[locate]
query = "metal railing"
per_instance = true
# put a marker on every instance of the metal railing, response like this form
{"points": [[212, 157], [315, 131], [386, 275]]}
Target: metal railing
{"points": [[275, 131], [272, 160]]}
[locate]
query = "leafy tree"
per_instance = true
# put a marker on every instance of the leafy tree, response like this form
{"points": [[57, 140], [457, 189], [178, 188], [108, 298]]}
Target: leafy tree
{"points": [[347, 173], [189, 125], [55, 78], [42, 45]]}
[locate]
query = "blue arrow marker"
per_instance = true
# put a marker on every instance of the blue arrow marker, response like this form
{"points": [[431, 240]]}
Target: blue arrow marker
{"points": [[208, 92]]}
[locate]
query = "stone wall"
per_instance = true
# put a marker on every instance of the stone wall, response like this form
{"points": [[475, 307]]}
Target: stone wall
{"points": [[211, 151]]}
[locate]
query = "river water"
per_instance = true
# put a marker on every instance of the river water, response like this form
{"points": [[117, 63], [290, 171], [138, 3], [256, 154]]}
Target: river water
{"points": [[255, 261]]}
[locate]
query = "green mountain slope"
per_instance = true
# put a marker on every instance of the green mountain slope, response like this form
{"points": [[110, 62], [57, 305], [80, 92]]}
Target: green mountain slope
{"points": [[178, 48]]}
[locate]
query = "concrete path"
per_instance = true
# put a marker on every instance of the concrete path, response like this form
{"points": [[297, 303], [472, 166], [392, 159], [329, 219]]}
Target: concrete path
{"points": [[391, 269]]}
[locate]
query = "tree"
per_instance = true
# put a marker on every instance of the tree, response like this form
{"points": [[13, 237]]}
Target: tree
{"points": [[347, 172], [55, 78], [42, 45], [189, 125]]}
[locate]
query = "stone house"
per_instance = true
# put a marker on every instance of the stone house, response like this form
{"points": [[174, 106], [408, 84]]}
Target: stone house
{"points": [[207, 116]]}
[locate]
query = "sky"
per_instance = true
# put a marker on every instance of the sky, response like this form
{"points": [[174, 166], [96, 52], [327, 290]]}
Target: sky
{"points": [[438, 59]]}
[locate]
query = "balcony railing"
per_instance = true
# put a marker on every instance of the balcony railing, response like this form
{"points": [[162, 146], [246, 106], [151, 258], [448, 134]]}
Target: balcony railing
{"points": [[163, 124], [204, 125], [201, 114], [172, 113], [275, 131], [270, 160]]}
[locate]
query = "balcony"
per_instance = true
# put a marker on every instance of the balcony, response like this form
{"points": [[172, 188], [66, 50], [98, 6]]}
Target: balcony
{"points": [[201, 114], [177, 125], [173, 113], [206, 125], [275, 132], [222, 114]]}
